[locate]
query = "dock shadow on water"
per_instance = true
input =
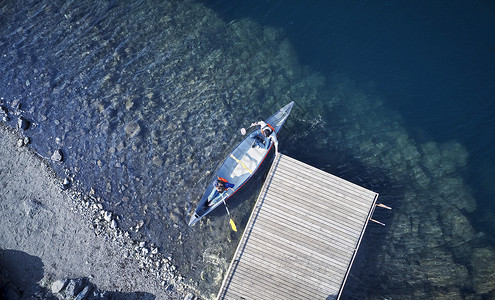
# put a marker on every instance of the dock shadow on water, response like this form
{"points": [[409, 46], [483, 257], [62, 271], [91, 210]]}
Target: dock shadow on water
{"points": [[146, 98]]}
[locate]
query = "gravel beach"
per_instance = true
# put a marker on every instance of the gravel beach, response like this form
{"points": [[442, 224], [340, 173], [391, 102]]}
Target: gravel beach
{"points": [[45, 237]]}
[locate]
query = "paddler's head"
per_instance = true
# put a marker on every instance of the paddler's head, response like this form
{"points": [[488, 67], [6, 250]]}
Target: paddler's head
{"points": [[219, 185], [267, 132]]}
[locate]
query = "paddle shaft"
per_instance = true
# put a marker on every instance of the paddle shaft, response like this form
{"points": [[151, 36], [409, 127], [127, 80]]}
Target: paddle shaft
{"points": [[232, 224], [228, 212]]}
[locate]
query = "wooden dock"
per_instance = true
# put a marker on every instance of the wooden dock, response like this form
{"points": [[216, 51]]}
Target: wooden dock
{"points": [[302, 236]]}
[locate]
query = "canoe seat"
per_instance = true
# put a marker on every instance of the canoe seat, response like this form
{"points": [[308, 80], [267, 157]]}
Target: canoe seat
{"points": [[247, 164]]}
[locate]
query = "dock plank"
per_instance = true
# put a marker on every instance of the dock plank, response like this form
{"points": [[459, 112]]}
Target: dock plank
{"points": [[299, 242], [294, 234], [305, 187], [317, 266], [304, 167], [315, 206], [327, 232], [278, 278]]}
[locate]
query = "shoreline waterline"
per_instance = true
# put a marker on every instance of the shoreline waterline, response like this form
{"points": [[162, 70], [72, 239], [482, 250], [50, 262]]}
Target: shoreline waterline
{"points": [[71, 234]]}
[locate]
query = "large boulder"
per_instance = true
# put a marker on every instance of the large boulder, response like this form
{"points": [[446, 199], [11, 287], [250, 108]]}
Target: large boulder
{"points": [[75, 286], [23, 123], [59, 285]]}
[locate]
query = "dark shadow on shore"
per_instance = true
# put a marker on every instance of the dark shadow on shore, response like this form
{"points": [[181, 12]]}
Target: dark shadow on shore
{"points": [[21, 272], [19, 275]]}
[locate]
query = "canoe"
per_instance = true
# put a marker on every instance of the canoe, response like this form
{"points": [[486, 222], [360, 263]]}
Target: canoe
{"points": [[241, 164]]}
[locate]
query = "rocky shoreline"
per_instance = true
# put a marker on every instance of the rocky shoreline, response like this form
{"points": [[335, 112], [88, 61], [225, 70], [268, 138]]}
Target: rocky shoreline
{"points": [[71, 235]]}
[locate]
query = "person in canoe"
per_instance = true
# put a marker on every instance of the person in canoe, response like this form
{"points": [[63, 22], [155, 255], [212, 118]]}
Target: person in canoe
{"points": [[269, 132], [221, 185]]}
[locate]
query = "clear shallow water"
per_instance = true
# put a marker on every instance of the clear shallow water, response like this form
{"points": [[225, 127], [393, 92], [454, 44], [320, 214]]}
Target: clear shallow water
{"points": [[146, 98]]}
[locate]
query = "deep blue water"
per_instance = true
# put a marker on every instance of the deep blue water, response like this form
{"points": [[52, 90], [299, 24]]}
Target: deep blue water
{"points": [[432, 62], [145, 98]]}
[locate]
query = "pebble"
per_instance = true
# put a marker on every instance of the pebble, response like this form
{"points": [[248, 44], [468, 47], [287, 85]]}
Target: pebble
{"points": [[66, 183], [189, 297], [129, 104], [139, 225], [57, 155], [20, 143], [27, 140], [113, 224], [107, 216]]}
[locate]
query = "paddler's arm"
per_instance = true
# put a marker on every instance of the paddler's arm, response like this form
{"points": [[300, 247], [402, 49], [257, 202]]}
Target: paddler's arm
{"points": [[260, 123], [212, 194], [274, 139], [225, 193]]}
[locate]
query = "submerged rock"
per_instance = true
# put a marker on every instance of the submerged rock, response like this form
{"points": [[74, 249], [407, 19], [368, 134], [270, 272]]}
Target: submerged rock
{"points": [[57, 155], [23, 123], [157, 161], [442, 271], [483, 263], [132, 129], [4, 110]]}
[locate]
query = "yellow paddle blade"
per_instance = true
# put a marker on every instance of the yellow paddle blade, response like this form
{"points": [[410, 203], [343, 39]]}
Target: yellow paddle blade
{"points": [[233, 225], [241, 163]]}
